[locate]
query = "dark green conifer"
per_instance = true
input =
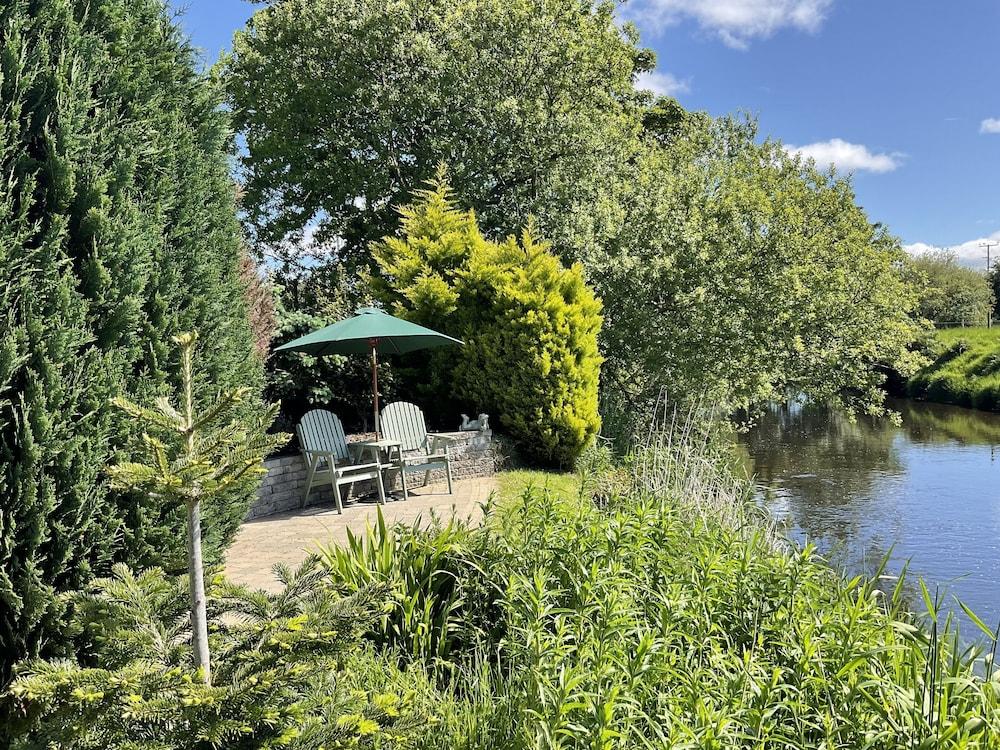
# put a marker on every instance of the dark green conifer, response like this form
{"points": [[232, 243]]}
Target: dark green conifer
{"points": [[117, 230]]}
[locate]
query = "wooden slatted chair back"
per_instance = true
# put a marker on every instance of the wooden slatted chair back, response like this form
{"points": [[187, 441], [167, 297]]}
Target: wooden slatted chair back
{"points": [[404, 422], [321, 430]]}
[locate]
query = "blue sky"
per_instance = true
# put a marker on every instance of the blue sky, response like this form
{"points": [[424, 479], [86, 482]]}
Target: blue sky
{"points": [[900, 92]]}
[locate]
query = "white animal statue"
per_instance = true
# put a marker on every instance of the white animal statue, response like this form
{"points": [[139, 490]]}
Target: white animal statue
{"points": [[481, 424]]}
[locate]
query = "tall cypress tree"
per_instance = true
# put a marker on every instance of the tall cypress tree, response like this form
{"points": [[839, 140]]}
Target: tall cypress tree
{"points": [[117, 229]]}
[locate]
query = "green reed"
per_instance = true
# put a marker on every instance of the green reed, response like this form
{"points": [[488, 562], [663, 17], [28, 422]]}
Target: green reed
{"points": [[668, 614]]}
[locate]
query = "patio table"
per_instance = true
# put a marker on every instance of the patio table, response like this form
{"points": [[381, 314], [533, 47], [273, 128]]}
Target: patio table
{"points": [[391, 449]]}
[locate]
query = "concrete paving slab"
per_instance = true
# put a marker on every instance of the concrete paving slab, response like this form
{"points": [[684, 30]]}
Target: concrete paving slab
{"points": [[288, 537]]}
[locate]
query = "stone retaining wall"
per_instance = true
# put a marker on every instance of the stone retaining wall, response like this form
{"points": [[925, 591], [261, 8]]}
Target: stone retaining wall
{"points": [[472, 455]]}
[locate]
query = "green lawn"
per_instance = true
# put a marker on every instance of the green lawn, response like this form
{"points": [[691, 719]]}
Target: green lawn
{"points": [[513, 483], [965, 370], [977, 334]]}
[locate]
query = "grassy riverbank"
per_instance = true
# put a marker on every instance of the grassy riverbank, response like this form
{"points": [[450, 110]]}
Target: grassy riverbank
{"points": [[965, 370], [653, 606]]}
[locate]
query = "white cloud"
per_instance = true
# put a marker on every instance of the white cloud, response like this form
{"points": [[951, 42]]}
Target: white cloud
{"points": [[662, 84], [736, 22], [990, 125], [969, 253], [847, 157], [920, 248]]}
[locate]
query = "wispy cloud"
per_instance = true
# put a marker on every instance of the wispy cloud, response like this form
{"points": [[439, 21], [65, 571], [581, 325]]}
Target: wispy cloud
{"points": [[969, 254], [990, 125], [847, 157], [663, 84], [735, 22]]}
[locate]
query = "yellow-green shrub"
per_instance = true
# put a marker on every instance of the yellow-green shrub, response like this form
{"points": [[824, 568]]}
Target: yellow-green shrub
{"points": [[529, 324]]}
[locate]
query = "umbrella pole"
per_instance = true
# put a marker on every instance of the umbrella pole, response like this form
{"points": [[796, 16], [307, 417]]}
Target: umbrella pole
{"points": [[373, 343]]}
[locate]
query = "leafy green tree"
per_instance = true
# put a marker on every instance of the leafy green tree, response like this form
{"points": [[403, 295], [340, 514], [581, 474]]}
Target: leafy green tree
{"points": [[348, 107], [200, 458], [729, 270], [951, 294], [117, 229], [529, 324], [738, 275]]}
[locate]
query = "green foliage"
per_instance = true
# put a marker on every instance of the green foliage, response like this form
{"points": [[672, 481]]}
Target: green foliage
{"points": [[529, 324], [117, 229], [951, 294], [278, 672], [194, 457], [739, 274], [546, 89], [993, 277], [730, 272], [671, 616], [442, 599], [965, 369]]}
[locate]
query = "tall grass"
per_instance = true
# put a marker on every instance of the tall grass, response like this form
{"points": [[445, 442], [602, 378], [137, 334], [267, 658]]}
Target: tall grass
{"points": [[680, 458], [667, 615], [442, 601]]}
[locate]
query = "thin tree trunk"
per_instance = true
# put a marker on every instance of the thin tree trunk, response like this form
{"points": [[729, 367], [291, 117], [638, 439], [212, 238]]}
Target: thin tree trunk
{"points": [[196, 572], [196, 584]]}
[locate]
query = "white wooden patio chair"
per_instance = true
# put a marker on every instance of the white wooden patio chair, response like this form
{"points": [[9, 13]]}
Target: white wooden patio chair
{"points": [[328, 459], [404, 422]]}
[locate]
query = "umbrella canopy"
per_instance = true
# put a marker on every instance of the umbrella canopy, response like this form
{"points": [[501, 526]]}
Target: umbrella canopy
{"points": [[355, 336], [371, 331]]}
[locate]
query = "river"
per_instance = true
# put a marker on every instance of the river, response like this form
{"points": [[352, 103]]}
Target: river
{"points": [[928, 490]]}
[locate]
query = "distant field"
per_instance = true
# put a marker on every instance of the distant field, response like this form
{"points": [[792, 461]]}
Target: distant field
{"points": [[965, 370]]}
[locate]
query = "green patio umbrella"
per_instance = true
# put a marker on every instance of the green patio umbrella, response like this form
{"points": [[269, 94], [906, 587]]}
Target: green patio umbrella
{"points": [[372, 331]]}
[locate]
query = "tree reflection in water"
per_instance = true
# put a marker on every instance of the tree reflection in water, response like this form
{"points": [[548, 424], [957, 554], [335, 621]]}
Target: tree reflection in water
{"points": [[937, 423], [927, 489], [822, 471]]}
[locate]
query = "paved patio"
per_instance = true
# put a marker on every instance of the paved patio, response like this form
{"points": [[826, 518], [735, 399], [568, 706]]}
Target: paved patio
{"points": [[288, 537]]}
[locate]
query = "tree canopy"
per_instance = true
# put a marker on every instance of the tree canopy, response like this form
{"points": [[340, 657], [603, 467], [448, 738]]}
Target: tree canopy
{"points": [[348, 107], [729, 270], [951, 294], [740, 274]]}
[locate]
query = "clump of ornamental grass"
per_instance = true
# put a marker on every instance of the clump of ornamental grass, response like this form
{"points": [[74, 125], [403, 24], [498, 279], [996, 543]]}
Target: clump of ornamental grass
{"points": [[680, 459], [442, 600]]}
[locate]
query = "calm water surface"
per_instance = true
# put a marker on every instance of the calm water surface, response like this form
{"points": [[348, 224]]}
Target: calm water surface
{"points": [[929, 490]]}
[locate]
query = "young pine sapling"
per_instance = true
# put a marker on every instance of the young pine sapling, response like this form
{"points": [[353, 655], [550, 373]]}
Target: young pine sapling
{"points": [[193, 457]]}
